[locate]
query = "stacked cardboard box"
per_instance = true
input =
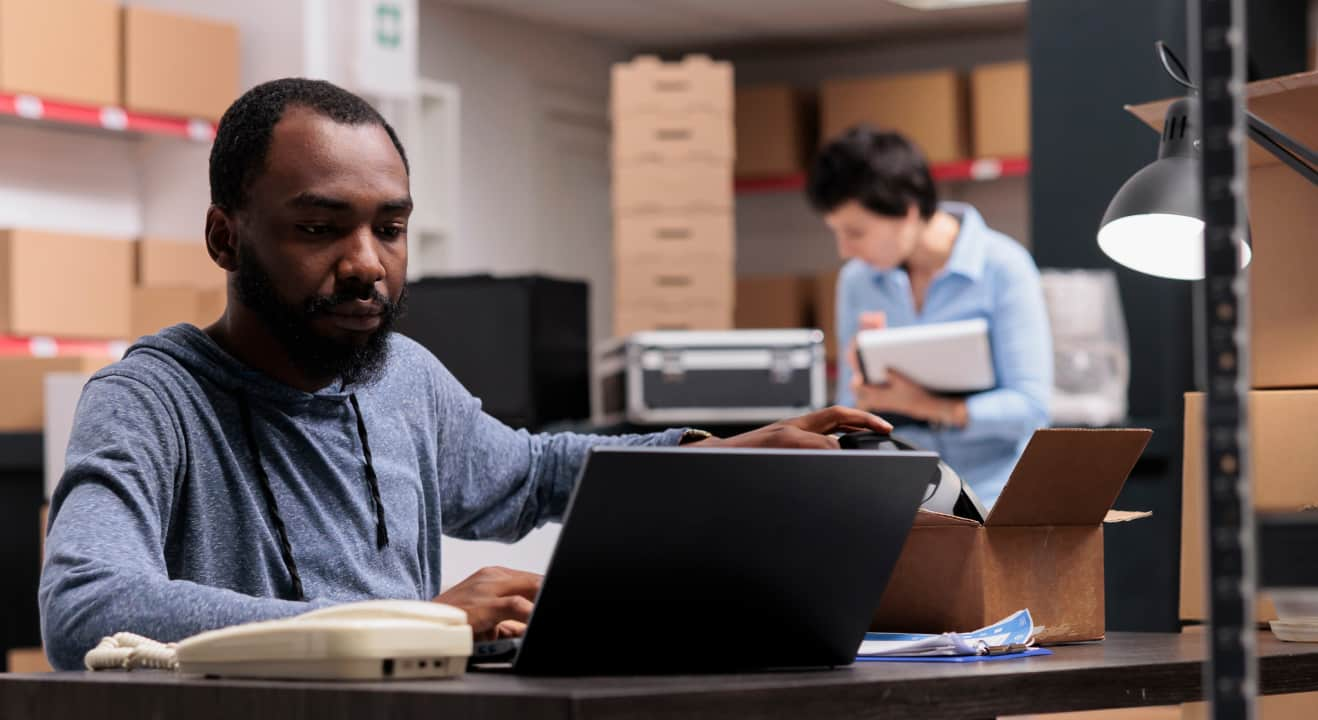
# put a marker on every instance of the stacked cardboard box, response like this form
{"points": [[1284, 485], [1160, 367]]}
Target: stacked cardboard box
{"points": [[927, 107], [1000, 110], [1283, 335], [672, 195], [790, 301], [775, 128], [98, 53], [176, 282]]}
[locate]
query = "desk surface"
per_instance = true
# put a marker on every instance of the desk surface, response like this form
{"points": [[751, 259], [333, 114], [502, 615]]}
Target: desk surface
{"points": [[1128, 669]]}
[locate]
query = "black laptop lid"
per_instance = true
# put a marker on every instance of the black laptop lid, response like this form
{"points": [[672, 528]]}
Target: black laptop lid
{"points": [[696, 560]]}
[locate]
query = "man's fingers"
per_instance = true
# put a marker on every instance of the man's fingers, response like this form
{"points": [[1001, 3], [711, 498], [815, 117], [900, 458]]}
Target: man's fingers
{"points": [[509, 629], [514, 607], [873, 320], [830, 419], [524, 585]]}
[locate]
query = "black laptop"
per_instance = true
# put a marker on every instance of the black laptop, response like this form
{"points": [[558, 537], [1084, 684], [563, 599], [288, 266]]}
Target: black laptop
{"points": [[686, 560]]}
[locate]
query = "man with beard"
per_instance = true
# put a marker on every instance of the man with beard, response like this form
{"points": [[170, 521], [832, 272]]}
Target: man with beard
{"points": [[296, 453]]}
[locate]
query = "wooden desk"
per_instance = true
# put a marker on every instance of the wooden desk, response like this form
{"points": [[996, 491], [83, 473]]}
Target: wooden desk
{"points": [[1126, 670]]}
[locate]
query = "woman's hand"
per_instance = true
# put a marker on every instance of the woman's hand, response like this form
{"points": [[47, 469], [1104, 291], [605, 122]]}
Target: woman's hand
{"points": [[903, 396]]}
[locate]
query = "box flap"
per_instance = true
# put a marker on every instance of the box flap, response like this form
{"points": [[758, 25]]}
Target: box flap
{"points": [[1120, 516], [1288, 103], [929, 518], [1068, 477]]}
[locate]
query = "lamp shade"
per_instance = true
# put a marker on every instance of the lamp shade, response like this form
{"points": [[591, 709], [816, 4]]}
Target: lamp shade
{"points": [[1154, 223]]}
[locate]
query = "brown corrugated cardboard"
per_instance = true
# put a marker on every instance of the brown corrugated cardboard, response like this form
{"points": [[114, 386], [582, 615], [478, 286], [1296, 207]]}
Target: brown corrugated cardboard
{"points": [[157, 308], [178, 65], [773, 133], [164, 263], [63, 285], [672, 189], [1041, 546], [28, 660], [61, 49], [680, 234], [21, 386], [1000, 110], [210, 306], [824, 309], [1292, 706], [1284, 464], [696, 84], [674, 282], [772, 301], [929, 108], [672, 138], [627, 320], [1283, 301], [1161, 712]]}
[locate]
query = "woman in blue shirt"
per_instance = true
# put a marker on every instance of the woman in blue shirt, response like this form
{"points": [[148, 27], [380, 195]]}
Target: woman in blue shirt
{"points": [[912, 261]]}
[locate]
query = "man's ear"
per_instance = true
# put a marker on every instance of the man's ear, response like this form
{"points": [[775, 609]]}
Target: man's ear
{"points": [[221, 238]]}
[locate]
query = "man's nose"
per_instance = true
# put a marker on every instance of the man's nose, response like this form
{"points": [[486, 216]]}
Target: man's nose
{"points": [[361, 259]]}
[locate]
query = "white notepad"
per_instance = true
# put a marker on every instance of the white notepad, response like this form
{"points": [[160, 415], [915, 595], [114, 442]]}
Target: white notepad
{"points": [[949, 357]]}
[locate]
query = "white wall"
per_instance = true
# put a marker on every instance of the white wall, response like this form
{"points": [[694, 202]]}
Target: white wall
{"points": [[777, 232], [534, 176]]}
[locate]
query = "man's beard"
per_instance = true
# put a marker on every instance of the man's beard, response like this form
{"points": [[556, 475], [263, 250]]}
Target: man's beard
{"points": [[312, 353]]}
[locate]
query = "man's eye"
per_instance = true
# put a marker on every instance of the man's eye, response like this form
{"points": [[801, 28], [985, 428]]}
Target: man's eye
{"points": [[391, 231], [314, 229]]}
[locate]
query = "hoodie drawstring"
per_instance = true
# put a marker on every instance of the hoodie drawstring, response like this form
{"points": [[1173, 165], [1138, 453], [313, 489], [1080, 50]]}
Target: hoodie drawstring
{"points": [[285, 547], [381, 530]]}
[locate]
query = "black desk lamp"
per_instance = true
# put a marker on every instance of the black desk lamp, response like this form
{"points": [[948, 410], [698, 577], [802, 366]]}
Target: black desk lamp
{"points": [[1154, 223]]}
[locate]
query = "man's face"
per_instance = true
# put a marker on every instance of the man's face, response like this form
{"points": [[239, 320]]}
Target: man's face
{"points": [[322, 244], [881, 241]]}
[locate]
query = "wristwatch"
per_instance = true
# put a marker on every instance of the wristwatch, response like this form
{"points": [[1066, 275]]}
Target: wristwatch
{"points": [[691, 435]]}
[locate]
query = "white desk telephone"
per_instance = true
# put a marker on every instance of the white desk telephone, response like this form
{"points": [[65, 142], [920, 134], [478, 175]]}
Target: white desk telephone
{"points": [[371, 640]]}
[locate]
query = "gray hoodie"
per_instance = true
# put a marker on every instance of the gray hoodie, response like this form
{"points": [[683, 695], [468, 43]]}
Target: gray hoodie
{"points": [[200, 493]]}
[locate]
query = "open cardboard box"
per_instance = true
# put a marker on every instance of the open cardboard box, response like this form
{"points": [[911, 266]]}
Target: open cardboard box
{"points": [[1041, 546]]}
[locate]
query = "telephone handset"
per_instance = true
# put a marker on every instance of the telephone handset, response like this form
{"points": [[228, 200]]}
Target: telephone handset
{"points": [[370, 640]]}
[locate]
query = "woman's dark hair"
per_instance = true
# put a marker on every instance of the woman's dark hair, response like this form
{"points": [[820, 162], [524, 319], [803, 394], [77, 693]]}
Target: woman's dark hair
{"points": [[883, 171]]}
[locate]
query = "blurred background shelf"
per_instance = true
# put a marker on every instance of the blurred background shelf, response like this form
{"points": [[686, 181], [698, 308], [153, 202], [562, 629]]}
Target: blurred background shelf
{"points": [[103, 117], [959, 171]]}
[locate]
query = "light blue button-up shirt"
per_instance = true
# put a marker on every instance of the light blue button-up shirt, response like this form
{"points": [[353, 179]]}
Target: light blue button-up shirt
{"points": [[990, 276]]}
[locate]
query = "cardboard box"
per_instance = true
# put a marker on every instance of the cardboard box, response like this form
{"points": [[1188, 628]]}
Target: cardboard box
{"points": [[61, 49], [1041, 546], [1284, 463], [21, 386], [679, 234], [158, 308], [773, 131], [929, 108], [179, 65], [63, 285], [675, 281], [210, 306], [1000, 110], [164, 263], [673, 137], [773, 301], [715, 316], [28, 660], [1283, 210], [672, 189], [1160, 712], [824, 308], [1291, 706], [696, 84]]}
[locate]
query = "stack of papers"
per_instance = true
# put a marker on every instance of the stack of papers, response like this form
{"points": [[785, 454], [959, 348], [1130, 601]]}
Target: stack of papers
{"points": [[1303, 629], [1014, 634]]}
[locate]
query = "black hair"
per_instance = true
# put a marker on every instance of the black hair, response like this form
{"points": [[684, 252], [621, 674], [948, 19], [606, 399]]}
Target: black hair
{"points": [[242, 139], [881, 170]]}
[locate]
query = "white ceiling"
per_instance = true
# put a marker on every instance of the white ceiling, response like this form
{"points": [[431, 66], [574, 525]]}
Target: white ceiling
{"points": [[681, 23]]}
